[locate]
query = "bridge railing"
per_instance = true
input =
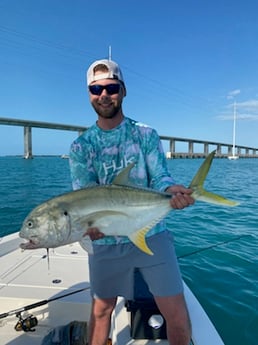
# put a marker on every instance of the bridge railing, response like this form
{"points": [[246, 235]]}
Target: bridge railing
{"points": [[241, 151]]}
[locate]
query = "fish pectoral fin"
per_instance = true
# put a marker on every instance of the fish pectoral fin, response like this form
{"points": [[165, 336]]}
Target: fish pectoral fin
{"points": [[101, 219], [138, 239], [203, 195], [199, 193]]}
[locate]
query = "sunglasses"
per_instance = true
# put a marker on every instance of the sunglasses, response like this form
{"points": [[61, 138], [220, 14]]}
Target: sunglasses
{"points": [[111, 89]]}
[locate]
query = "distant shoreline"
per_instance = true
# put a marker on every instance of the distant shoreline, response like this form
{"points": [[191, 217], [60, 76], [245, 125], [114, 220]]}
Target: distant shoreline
{"points": [[34, 156]]}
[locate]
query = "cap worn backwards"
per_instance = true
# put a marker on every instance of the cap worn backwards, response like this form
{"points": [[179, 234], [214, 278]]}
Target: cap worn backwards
{"points": [[113, 72]]}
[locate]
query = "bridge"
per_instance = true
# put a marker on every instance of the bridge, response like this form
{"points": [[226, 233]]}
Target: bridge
{"points": [[223, 150]]}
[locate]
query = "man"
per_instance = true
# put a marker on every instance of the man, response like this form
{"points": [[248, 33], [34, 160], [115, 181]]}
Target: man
{"points": [[96, 157]]}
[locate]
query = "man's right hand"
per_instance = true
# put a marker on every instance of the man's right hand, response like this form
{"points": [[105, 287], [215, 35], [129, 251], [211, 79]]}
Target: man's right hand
{"points": [[94, 234]]}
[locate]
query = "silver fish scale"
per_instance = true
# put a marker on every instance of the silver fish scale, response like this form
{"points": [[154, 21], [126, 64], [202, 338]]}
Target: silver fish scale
{"points": [[115, 194]]}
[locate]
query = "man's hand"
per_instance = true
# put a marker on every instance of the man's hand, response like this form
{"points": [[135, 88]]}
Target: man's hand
{"points": [[181, 196], [94, 234]]}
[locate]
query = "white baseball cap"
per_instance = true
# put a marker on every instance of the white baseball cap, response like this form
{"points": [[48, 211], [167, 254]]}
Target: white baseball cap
{"points": [[113, 72]]}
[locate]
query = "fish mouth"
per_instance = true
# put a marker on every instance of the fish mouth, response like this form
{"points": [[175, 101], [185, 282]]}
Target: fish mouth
{"points": [[29, 245]]}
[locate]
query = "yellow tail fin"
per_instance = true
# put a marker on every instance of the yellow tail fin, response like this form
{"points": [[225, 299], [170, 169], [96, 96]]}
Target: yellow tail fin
{"points": [[199, 193]]}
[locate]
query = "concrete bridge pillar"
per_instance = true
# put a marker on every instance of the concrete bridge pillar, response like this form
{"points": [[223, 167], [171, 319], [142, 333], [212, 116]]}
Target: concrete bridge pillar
{"points": [[172, 145], [206, 149], [219, 149], [190, 147], [27, 143]]}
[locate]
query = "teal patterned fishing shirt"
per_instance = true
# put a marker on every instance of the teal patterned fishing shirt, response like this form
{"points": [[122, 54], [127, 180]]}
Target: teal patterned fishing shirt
{"points": [[97, 157]]}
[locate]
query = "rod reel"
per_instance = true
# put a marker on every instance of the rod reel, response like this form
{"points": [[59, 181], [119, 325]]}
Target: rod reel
{"points": [[27, 324]]}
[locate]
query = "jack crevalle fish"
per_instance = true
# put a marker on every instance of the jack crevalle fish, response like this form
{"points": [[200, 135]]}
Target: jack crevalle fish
{"points": [[117, 209]]}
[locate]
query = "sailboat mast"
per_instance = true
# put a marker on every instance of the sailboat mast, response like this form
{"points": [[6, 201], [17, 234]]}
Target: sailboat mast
{"points": [[234, 130], [234, 156]]}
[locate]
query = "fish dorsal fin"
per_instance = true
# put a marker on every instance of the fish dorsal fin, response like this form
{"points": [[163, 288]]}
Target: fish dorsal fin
{"points": [[138, 239], [123, 177]]}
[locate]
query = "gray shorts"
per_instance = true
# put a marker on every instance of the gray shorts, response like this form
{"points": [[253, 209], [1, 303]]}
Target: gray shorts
{"points": [[112, 268]]}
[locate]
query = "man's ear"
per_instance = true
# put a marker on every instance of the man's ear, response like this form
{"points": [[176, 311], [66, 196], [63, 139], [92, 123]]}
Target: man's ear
{"points": [[124, 89]]}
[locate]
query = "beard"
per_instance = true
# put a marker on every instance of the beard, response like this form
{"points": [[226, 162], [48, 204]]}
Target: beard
{"points": [[107, 110]]}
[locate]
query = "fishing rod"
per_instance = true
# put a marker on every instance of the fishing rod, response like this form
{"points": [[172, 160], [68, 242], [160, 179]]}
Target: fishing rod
{"points": [[211, 246], [27, 324]]}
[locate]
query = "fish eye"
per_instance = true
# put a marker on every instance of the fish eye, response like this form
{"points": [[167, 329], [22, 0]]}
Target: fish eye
{"points": [[30, 224], [65, 213]]}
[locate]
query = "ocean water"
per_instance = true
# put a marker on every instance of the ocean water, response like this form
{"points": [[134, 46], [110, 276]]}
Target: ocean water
{"points": [[216, 246]]}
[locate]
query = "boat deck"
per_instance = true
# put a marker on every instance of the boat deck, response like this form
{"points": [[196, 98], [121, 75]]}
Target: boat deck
{"points": [[27, 278]]}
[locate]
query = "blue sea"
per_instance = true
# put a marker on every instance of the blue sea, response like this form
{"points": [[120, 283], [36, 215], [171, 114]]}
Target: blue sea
{"points": [[216, 246]]}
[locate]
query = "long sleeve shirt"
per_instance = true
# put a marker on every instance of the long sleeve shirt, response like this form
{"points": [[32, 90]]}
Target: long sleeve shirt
{"points": [[97, 157]]}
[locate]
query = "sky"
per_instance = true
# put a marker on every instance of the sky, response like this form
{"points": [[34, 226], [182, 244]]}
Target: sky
{"points": [[185, 64]]}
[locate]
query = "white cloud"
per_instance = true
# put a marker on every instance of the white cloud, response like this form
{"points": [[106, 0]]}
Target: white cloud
{"points": [[244, 117], [233, 93], [247, 117], [251, 105], [246, 110], [224, 117]]}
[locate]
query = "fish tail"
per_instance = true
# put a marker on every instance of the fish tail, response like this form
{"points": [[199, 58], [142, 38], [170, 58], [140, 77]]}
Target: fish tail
{"points": [[199, 193]]}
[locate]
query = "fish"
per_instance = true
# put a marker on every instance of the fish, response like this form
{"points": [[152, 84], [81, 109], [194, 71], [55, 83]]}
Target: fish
{"points": [[117, 209]]}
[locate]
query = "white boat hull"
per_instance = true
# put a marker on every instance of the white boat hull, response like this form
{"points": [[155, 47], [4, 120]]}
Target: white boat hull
{"points": [[25, 279]]}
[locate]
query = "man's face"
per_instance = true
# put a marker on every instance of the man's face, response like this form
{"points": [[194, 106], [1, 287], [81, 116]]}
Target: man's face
{"points": [[108, 102]]}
